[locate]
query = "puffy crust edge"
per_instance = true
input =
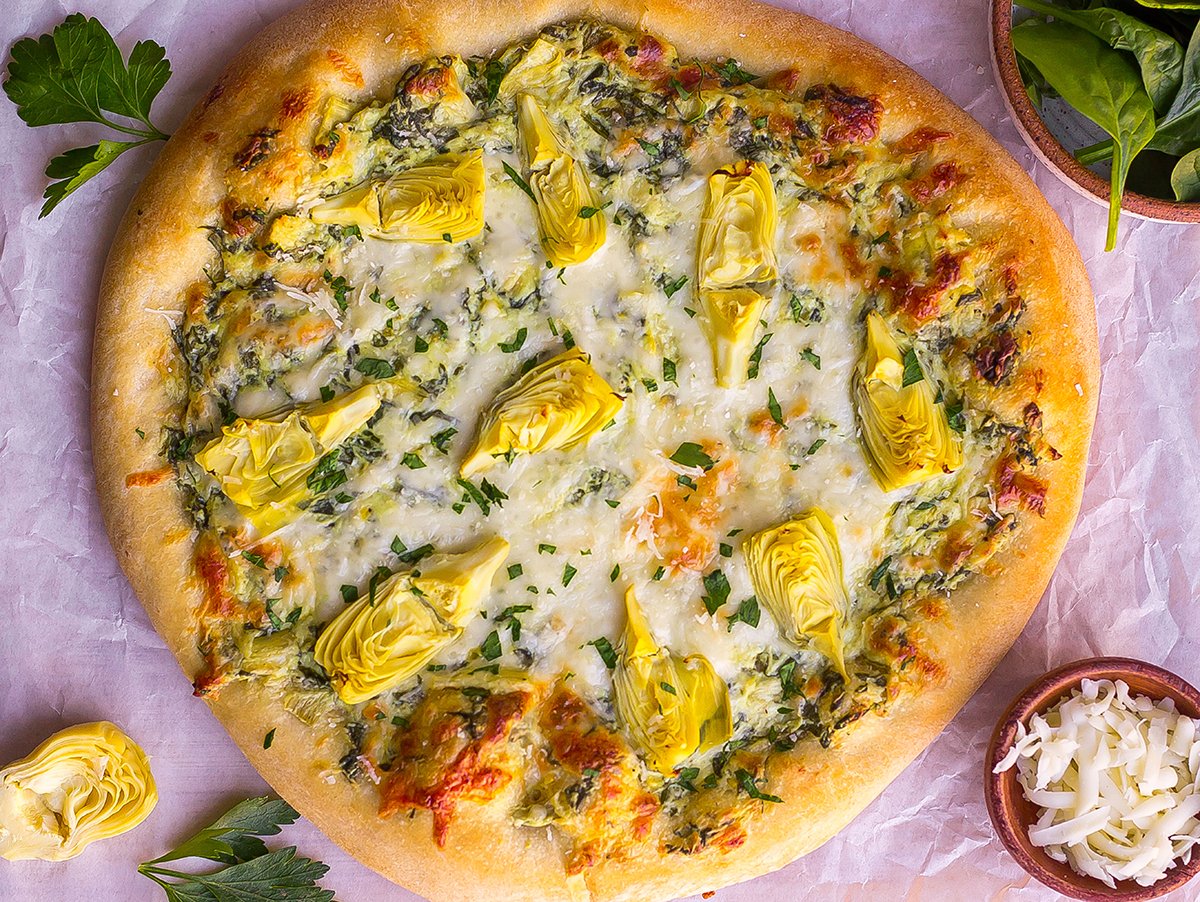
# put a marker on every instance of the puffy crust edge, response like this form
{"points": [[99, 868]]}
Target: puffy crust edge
{"points": [[159, 249]]}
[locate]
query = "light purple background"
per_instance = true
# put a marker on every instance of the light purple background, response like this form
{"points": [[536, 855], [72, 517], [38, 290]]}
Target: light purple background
{"points": [[75, 644]]}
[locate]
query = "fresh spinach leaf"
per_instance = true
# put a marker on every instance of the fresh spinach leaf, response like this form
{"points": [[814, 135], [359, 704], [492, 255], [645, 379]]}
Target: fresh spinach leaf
{"points": [[1178, 130], [1101, 84], [1185, 178], [1159, 55]]}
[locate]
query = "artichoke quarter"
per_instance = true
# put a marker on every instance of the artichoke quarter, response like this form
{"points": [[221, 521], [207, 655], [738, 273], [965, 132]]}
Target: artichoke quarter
{"points": [[263, 465], [560, 188], [906, 436], [540, 68], [436, 201], [736, 263], [377, 643], [671, 706], [556, 405], [796, 570], [84, 783]]}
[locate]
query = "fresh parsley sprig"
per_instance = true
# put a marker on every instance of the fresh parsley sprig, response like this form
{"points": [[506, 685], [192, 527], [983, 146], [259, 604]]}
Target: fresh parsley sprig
{"points": [[251, 871], [76, 74]]}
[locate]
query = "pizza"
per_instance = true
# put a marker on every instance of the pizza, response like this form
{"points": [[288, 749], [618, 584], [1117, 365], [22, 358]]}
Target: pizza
{"points": [[586, 451]]}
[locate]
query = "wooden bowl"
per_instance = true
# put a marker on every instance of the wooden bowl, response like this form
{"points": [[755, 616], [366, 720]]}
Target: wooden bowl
{"points": [[1012, 813], [1048, 148]]}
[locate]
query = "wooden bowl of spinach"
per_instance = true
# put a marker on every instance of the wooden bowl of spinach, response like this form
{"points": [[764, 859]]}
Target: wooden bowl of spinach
{"points": [[1107, 92]]}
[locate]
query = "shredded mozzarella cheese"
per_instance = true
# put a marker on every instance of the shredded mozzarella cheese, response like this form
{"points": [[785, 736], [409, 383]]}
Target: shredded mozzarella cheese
{"points": [[1115, 777]]}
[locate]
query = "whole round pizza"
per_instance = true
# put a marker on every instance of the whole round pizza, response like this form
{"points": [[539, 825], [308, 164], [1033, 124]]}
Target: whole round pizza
{"points": [[586, 450]]}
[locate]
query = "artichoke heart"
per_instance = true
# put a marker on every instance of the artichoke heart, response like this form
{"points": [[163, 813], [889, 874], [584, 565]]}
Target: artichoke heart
{"points": [[427, 203], [736, 263], [905, 433], [561, 189], [84, 783], [672, 707], [731, 316], [263, 466], [376, 644], [540, 68], [556, 405], [737, 234], [796, 570]]}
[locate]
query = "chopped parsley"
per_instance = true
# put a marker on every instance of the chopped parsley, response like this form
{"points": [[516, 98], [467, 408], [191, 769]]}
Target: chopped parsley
{"points": [[659, 573], [515, 570], [509, 617], [955, 417], [667, 687], [607, 653], [815, 447], [374, 367], [690, 454], [491, 649], [543, 548], [717, 587], [568, 575], [616, 572], [441, 439], [413, 461], [339, 286], [774, 408], [756, 356], [746, 783], [269, 738], [518, 181], [812, 357], [255, 559], [485, 494], [349, 594], [589, 212], [912, 369], [747, 613], [880, 572], [516, 342], [327, 475], [726, 549], [669, 370], [670, 286]]}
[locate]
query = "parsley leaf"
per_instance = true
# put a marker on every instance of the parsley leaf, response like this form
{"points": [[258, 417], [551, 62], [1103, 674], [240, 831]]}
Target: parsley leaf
{"points": [[747, 612], [374, 367], [413, 461], [76, 74], [732, 73], [670, 286], [269, 738], [669, 370], [746, 783], [717, 587], [543, 548], [812, 357], [774, 408], [441, 439], [519, 182], [756, 356], [690, 454], [607, 653], [515, 343], [589, 212], [880, 572], [515, 570], [568, 575], [277, 875], [326, 475], [233, 837], [912, 368], [955, 417], [491, 649], [815, 446]]}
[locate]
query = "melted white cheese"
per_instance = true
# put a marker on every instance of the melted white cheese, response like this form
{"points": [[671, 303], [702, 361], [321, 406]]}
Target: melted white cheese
{"points": [[616, 311]]}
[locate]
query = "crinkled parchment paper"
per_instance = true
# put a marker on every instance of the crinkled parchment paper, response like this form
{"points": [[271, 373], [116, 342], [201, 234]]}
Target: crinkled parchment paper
{"points": [[75, 644]]}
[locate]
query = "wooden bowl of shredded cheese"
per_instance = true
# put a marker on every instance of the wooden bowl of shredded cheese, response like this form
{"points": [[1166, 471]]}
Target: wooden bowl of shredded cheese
{"points": [[1092, 780]]}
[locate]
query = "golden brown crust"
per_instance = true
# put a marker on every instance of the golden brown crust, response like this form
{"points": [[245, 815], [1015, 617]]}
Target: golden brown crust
{"points": [[359, 48]]}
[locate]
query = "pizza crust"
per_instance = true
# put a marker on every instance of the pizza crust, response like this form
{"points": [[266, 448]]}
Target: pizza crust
{"points": [[360, 48]]}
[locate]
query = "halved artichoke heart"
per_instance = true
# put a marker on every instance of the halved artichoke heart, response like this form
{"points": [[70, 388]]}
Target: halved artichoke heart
{"points": [[84, 783], [736, 263], [263, 465], [731, 317], [540, 68], [671, 706], [443, 197], [561, 189], [376, 644], [556, 405], [796, 570], [905, 433]]}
